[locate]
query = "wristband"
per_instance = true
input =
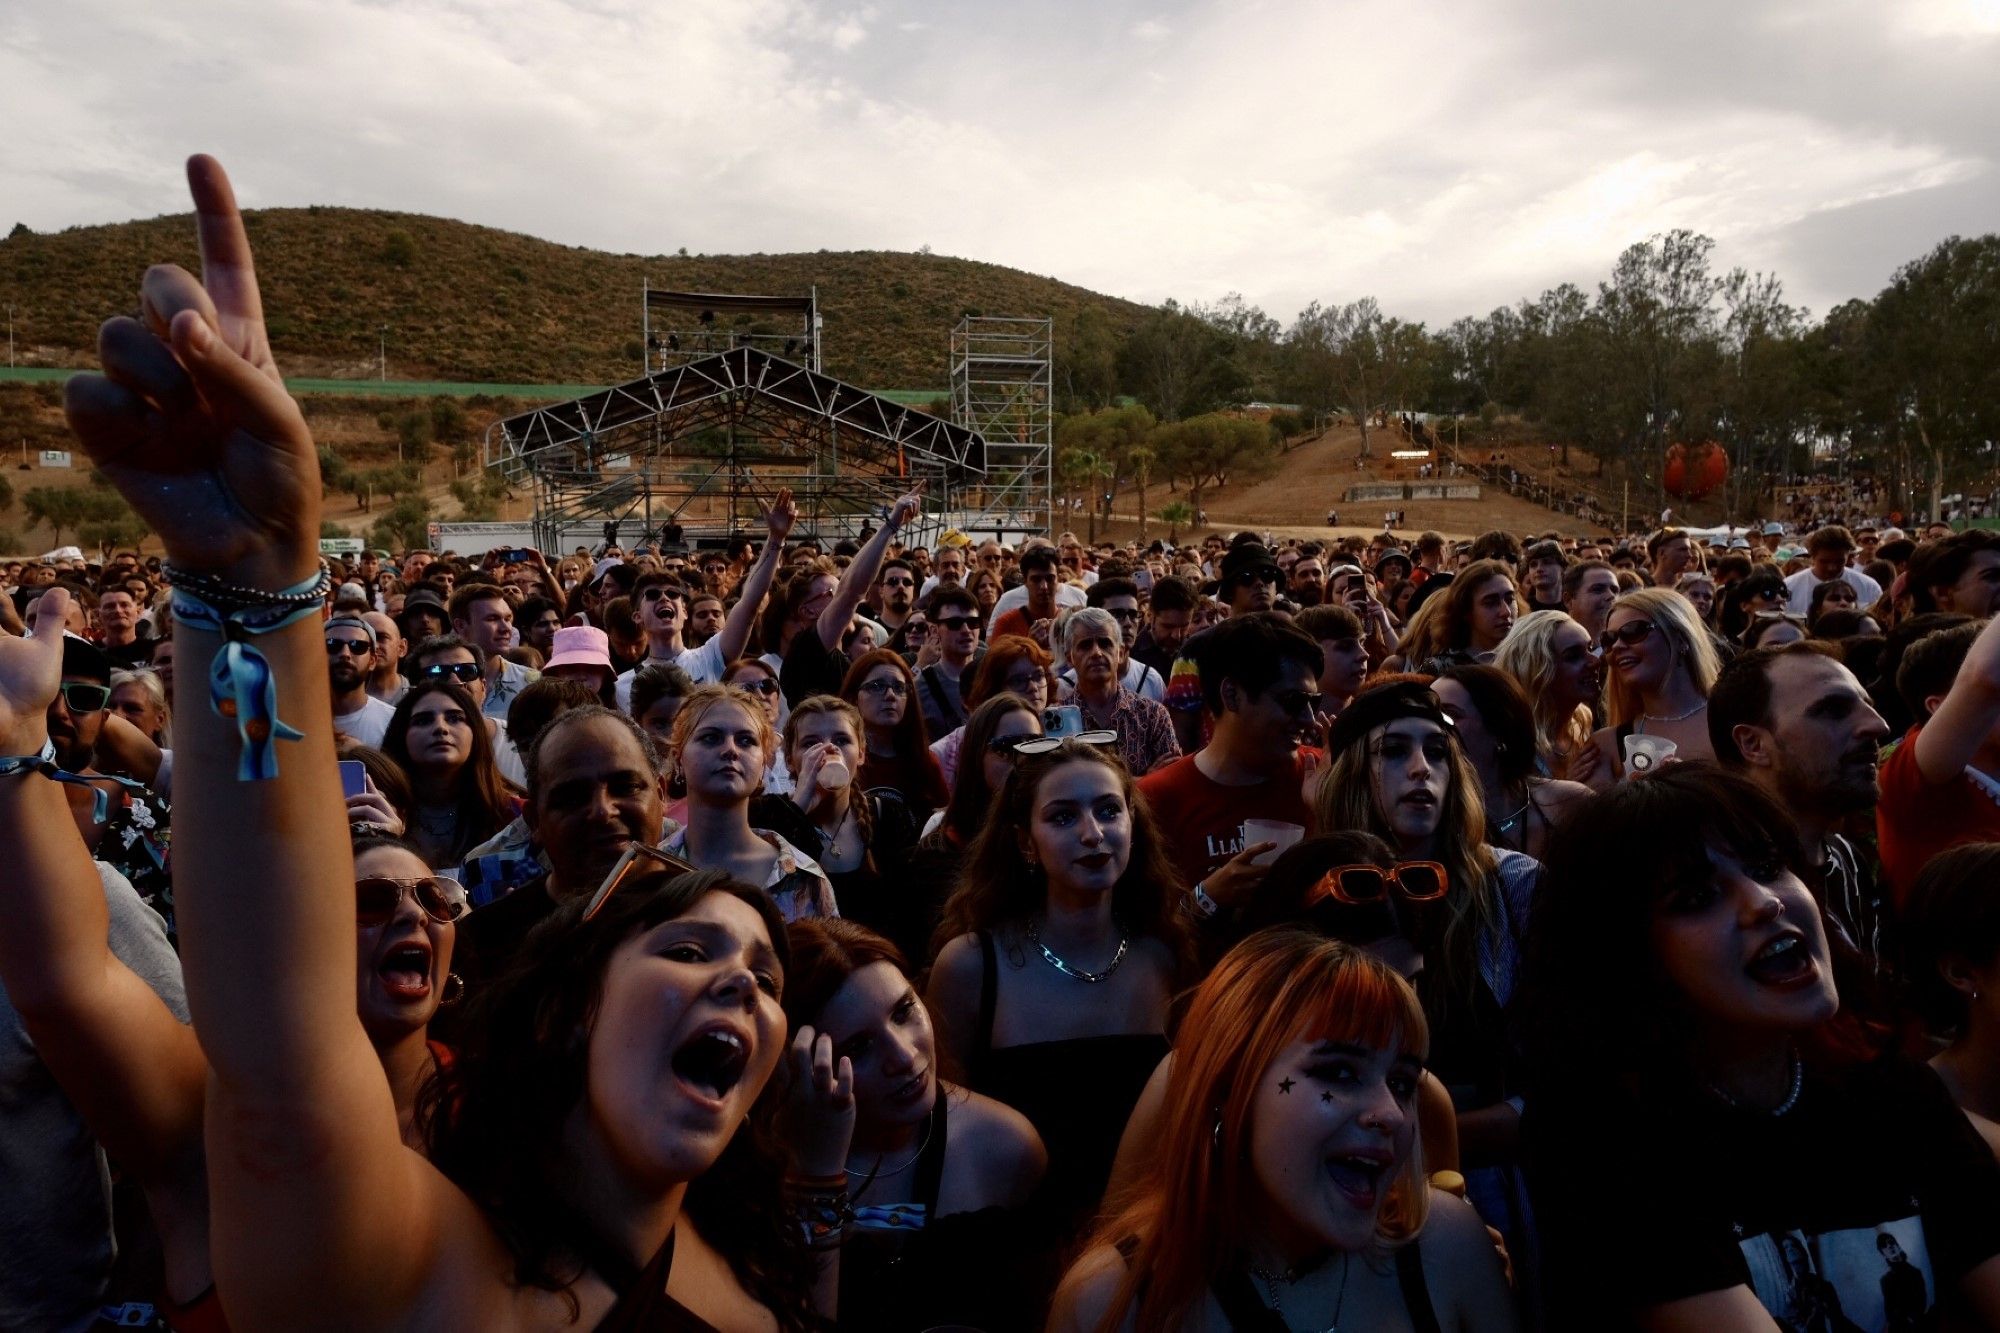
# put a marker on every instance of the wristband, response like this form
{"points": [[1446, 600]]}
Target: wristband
{"points": [[45, 764], [240, 684], [1204, 906]]}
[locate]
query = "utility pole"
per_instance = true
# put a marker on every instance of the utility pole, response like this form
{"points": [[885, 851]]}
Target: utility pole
{"points": [[382, 333], [10, 334]]}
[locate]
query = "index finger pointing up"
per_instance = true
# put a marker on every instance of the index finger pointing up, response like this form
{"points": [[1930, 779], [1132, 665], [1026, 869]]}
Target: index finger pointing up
{"points": [[226, 268]]}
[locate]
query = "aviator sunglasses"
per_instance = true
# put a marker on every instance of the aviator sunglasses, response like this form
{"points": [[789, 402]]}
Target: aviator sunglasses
{"points": [[377, 897]]}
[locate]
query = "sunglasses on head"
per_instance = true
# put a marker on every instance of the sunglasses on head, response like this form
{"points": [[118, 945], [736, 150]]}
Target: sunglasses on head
{"points": [[1417, 881], [1033, 745], [637, 860], [463, 672], [1631, 632], [83, 696], [377, 898], [356, 647]]}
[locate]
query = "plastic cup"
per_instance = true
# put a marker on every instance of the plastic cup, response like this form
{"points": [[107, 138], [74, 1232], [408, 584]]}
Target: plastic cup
{"points": [[1643, 754], [1270, 830], [833, 774]]}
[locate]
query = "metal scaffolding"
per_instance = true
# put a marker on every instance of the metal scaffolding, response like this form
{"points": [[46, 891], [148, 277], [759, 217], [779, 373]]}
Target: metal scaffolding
{"points": [[680, 327], [700, 443], [1002, 389]]}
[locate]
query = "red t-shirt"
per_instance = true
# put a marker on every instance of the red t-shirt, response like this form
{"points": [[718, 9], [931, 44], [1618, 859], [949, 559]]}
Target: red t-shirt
{"points": [[1015, 621], [1202, 820], [1915, 819]]}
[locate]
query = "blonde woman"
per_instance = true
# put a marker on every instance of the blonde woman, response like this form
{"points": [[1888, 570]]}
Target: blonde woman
{"points": [[1659, 667], [1553, 658], [140, 698]]}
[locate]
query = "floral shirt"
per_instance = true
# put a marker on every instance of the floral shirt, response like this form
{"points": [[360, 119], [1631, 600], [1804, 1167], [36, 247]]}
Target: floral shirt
{"points": [[135, 842], [1146, 739], [796, 883]]}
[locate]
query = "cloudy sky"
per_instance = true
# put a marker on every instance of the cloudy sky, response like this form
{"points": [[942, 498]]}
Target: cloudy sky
{"points": [[1444, 156]]}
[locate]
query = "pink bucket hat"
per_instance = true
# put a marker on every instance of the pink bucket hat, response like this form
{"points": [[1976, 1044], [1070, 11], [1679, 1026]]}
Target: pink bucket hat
{"points": [[580, 645]]}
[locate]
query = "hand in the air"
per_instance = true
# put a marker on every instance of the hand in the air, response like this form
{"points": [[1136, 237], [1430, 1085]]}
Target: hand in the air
{"points": [[30, 672], [818, 1115], [191, 421], [783, 514], [907, 507]]}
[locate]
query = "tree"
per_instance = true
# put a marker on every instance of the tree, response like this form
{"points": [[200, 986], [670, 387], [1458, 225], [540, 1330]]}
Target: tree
{"points": [[398, 481], [1179, 365], [60, 509], [110, 522], [329, 528], [1660, 314], [449, 428], [1079, 470], [478, 498], [1176, 516], [1209, 450], [404, 525], [6, 495], [414, 434], [1352, 356], [399, 249], [1087, 366]]}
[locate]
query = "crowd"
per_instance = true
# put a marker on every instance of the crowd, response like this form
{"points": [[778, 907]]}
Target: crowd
{"points": [[889, 935]]}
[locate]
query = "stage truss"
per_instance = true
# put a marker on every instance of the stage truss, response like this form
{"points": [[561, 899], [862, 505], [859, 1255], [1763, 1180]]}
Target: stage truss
{"points": [[702, 443], [1002, 388], [682, 327]]}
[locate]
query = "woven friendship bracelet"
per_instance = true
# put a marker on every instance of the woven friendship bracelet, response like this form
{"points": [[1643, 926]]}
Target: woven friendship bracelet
{"points": [[240, 684], [45, 764], [234, 596]]}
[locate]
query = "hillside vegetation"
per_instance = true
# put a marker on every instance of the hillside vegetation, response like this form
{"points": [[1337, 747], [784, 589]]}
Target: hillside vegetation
{"points": [[463, 302]]}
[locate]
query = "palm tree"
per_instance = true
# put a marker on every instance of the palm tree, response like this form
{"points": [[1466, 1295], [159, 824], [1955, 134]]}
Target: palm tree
{"points": [[1174, 516], [1140, 459]]}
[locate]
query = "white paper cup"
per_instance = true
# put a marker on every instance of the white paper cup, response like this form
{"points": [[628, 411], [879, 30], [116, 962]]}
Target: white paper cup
{"points": [[1270, 830], [1643, 754], [833, 775]]}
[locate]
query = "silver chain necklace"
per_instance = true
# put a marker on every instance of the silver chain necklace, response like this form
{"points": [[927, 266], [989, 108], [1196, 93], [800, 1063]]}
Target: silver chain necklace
{"points": [[1677, 717], [1054, 960], [1291, 1275], [1783, 1107]]}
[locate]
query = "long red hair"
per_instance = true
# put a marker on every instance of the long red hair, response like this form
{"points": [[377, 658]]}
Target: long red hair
{"points": [[1189, 1210]]}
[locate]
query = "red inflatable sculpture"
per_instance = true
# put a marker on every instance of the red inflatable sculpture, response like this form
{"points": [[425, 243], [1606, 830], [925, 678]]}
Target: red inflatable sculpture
{"points": [[1695, 470]]}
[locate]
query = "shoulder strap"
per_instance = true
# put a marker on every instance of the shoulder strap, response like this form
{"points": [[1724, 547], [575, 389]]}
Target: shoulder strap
{"points": [[1416, 1296], [930, 1167], [989, 990], [943, 694]]}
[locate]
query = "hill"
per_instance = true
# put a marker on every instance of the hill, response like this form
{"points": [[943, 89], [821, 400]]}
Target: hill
{"points": [[464, 302]]}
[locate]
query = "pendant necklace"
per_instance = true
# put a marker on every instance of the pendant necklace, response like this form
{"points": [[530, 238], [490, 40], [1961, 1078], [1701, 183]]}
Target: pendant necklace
{"points": [[1272, 1281], [1055, 960]]}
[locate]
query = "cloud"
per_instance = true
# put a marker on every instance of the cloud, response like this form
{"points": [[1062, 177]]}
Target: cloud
{"points": [[1442, 157]]}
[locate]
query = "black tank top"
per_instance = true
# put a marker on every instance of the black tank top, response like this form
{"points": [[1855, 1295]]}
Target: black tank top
{"points": [[643, 1304], [1078, 1094]]}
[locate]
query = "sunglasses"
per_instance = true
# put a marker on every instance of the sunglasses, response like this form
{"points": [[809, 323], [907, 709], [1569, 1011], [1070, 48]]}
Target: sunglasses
{"points": [[463, 672], [82, 696], [377, 898], [1123, 614], [1033, 745], [956, 623], [915, 627], [356, 647], [1768, 594], [762, 685], [885, 687], [1631, 632], [1416, 881], [646, 859], [654, 594]]}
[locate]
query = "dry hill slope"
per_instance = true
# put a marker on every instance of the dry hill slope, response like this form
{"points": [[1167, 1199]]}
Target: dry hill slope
{"points": [[464, 302]]}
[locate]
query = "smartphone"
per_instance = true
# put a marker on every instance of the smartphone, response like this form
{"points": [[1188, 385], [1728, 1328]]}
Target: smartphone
{"points": [[1062, 720], [353, 777], [1143, 577], [519, 555]]}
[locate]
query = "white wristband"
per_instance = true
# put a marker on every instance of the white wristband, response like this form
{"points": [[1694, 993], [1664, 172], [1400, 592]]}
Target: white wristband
{"points": [[1204, 906]]}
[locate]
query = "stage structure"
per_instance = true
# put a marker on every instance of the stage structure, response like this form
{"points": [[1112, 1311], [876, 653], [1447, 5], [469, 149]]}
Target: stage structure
{"points": [[1002, 388], [700, 442], [681, 327]]}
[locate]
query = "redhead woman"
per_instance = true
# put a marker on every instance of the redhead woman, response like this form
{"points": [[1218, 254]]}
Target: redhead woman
{"points": [[937, 1175], [1013, 663], [722, 740], [1288, 1190], [458, 798], [584, 1180], [1060, 951], [898, 754], [1659, 667]]}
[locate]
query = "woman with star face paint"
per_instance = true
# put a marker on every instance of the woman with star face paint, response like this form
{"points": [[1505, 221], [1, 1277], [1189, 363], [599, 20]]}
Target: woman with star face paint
{"points": [[1287, 1190], [1715, 1141]]}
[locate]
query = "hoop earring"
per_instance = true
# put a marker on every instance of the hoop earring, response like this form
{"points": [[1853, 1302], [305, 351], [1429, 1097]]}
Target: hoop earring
{"points": [[454, 989]]}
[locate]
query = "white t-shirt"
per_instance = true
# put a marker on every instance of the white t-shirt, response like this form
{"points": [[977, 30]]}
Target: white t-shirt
{"points": [[704, 666], [1067, 594], [367, 724], [1801, 585]]}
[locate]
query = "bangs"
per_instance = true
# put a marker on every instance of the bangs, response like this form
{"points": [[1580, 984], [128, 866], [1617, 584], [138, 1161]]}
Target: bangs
{"points": [[1745, 830], [1363, 1003]]}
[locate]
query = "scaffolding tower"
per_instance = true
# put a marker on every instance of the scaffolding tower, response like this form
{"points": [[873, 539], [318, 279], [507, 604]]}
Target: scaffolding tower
{"points": [[1002, 388]]}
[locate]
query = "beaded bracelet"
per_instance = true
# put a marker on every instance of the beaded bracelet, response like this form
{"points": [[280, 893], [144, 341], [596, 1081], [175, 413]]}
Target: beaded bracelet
{"points": [[240, 684], [45, 764]]}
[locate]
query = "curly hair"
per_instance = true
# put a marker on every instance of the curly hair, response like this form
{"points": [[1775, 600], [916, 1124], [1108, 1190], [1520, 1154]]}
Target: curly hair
{"points": [[494, 1116], [996, 887]]}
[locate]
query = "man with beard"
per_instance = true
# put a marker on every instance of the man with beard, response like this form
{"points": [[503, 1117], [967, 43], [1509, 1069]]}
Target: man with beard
{"points": [[1039, 582], [130, 832], [895, 593], [1260, 689], [594, 790], [350, 660], [1308, 586], [1796, 722]]}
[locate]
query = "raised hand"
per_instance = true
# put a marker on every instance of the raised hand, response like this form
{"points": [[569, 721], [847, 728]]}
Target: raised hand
{"points": [[818, 1115], [191, 421], [30, 671], [907, 507], [782, 515]]}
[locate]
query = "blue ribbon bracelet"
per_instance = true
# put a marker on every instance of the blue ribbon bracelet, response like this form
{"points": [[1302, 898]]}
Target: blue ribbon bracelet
{"points": [[241, 686], [45, 764]]}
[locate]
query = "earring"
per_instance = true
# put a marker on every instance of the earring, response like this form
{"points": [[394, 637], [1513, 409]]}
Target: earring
{"points": [[454, 989]]}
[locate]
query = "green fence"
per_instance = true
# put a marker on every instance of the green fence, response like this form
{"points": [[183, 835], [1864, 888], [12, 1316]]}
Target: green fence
{"points": [[431, 388]]}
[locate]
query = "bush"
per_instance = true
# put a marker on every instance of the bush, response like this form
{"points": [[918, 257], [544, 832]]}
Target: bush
{"points": [[399, 249]]}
